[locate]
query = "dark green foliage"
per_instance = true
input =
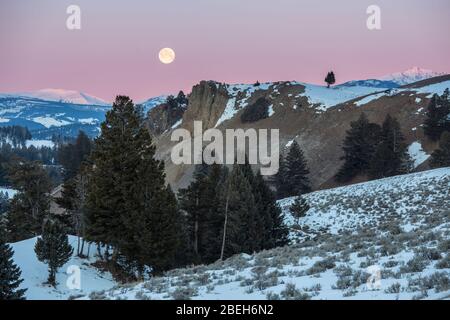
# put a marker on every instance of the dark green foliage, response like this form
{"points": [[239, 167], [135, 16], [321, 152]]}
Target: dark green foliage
{"points": [[359, 147], [438, 116], [129, 208], [391, 156], [256, 111], [200, 201], [9, 273], [71, 155], [299, 208], [31, 203], [441, 156], [292, 177], [53, 248], [330, 78], [16, 135], [254, 220], [240, 202]]}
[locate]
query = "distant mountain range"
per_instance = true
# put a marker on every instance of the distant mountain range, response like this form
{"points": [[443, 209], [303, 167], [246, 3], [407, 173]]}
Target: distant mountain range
{"points": [[411, 75]]}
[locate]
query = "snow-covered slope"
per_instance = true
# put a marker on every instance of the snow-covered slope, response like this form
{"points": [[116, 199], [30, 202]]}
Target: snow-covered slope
{"points": [[35, 273], [153, 102], [411, 75], [385, 239], [44, 117], [62, 95]]}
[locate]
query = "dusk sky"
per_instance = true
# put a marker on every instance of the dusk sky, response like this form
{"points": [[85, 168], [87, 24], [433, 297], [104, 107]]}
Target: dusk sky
{"points": [[234, 41]]}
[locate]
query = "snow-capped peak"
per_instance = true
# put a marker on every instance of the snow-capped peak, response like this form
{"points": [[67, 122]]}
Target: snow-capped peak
{"points": [[70, 96], [411, 75]]}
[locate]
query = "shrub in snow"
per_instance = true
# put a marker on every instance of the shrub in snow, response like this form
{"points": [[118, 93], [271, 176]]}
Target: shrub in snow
{"points": [[444, 263], [428, 253], [390, 264], [321, 266], [272, 296], [416, 264], [140, 295], [394, 288], [184, 293], [98, 295], [290, 292]]}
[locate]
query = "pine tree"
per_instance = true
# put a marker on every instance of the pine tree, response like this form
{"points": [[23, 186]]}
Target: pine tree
{"points": [[129, 208], [200, 202], [53, 248], [72, 155], [32, 202], [294, 173], [441, 156], [274, 232], [359, 147], [239, 212], [438, 116], [391, 156], [299, 208], [9, 273], [330, 79]]}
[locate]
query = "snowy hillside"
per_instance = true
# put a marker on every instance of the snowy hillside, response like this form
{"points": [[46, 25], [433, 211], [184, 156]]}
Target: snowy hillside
{"points": [[385, 239], [35, 273], [43, 117], [68, 96], [411, 75], [153, 102]]}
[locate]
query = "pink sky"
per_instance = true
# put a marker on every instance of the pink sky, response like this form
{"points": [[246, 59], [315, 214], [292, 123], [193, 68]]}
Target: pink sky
{"points": [[116, 51]]}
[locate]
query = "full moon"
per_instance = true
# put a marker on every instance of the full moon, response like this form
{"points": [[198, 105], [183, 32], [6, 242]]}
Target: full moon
{"points": [[166, 55]]}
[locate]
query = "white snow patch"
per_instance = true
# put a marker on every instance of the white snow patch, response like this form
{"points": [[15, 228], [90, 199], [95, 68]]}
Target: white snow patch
{"points": [[35, 273], [49, 122], [8, 191], [271, 112], [417, 154]]}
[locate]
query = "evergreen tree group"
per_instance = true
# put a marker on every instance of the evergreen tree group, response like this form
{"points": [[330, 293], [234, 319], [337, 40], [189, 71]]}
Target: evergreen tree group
{"points": [[31, 203], [438, 116], [72, 155], [230, 212], [373, 150], [292, 177], [441, 156]]}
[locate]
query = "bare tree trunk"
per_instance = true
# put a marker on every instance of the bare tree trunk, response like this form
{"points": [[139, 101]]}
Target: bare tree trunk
{"points": [[225, 223], [82, 246], [78, 246], [196, 229]]}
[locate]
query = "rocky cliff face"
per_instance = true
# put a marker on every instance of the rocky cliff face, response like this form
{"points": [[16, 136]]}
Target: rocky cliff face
{"points": [[316, 117]]}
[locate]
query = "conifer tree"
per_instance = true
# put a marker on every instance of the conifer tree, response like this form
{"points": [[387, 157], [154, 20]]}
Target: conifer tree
{"points": [[391, 156], [129, 208], [31, 203], [330, 79], [53, 248], [239, 211], [441, 156], [294, 173], [72, 155], [9, 273], [438, 116], [274, 232], [299, 208], [359, 147]]}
